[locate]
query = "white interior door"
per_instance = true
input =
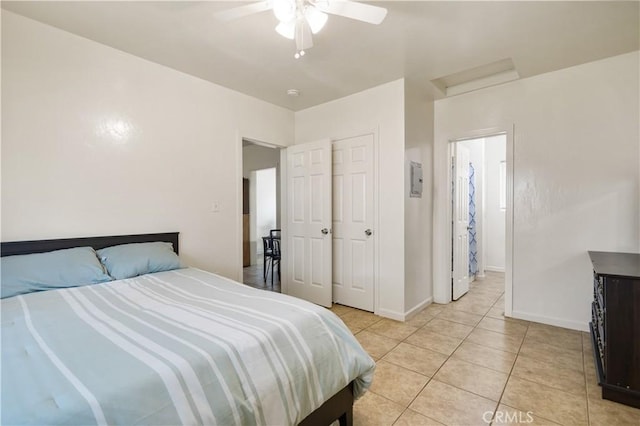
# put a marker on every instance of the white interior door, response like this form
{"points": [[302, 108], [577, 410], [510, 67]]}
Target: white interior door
{"points": [[460, 274], [308, 249], [353, 239]]}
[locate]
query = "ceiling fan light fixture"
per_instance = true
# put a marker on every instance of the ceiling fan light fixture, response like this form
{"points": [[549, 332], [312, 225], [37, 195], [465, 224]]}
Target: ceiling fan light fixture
{"points": [[300, 19], [287, 29], [315, 18], [284, 10]]}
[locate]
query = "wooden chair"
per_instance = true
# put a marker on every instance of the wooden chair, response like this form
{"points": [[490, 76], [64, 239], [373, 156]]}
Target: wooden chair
{"points": [[267, 252], [275, 258], [271, 250]]}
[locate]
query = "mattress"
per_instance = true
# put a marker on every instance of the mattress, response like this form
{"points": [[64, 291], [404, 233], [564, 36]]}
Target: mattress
{"points": [[177, 347]]}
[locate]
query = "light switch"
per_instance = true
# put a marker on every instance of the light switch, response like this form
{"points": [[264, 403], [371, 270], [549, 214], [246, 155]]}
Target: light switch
{"points": [[215, 206]]}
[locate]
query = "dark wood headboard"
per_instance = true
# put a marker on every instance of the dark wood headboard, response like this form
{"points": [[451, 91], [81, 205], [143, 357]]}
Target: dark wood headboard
{"points": [[41, 246]]}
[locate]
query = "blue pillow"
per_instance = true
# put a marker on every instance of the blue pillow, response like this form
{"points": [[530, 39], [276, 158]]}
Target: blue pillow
{"points": [[131, 260], [55, 269]]}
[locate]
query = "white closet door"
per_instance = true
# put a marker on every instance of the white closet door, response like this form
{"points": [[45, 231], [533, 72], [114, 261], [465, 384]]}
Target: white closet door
{"points": [[353, 233], [308, 249]]}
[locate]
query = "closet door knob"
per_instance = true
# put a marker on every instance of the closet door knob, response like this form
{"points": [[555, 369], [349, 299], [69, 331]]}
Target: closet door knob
{"points": [[325, 231], [368, 232]]}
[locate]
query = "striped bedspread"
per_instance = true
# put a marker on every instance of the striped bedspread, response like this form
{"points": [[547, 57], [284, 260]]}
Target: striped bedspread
{"points": [[179, 347]]}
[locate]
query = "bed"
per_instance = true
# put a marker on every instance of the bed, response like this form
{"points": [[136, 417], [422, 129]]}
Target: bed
{"points": [[180, 346]]}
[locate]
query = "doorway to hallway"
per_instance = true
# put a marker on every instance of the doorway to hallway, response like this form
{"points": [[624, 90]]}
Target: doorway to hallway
{"points": [[261, 212], [478, 210]]}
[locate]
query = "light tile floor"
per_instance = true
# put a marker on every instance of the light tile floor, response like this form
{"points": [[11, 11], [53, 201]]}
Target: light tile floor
{"points": [[466, 364]]}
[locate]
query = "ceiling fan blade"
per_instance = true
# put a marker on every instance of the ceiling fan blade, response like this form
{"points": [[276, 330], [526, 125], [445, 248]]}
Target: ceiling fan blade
{"points": [[242, 11], [354, 10]]}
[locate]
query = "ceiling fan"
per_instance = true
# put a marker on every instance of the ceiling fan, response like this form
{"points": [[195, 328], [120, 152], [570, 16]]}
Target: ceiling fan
{"points": [[299, 19]]}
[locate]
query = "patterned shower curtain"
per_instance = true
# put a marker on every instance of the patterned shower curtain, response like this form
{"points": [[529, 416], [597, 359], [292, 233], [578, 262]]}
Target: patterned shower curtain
{"points": [[473, 244]]}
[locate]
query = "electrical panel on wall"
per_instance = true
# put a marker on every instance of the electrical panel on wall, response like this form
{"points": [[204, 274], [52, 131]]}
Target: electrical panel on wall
{"points": [[416, 180]]}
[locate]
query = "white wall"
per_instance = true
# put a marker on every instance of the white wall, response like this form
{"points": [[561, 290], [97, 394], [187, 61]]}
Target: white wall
{"points": [[494, 217], [256, 157], [99, 142], [265, 204], [418, 289], [576, 177], [379, 110]]}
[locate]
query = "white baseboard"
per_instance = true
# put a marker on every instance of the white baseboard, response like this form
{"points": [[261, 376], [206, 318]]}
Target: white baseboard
{"points": [[494, 268], [390, 314], [398, 316], [420, 306], [558, 322]]}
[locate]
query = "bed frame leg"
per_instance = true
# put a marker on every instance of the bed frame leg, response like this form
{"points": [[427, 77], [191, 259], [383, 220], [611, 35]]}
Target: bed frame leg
{"points": [[347, 418]]}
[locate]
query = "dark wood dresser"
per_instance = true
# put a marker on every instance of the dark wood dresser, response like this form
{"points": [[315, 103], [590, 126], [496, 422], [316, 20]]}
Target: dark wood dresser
{"points": [[615, 325]]}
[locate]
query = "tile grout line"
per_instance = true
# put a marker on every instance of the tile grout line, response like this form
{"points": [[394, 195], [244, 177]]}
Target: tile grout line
{"points": [[511, 372], [393, 402], [414, 398], [456, 348], [514, 362], [381, 359], [490, 311], [434, 374], [449, 357], [441, 365]]}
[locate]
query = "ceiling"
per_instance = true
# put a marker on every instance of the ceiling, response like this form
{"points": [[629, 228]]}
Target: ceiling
{"points": [[419, 40]]}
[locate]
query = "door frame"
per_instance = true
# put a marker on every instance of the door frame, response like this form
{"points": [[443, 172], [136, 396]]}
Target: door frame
{"points": [[239, 176], [284, 285], [442, 216]]}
